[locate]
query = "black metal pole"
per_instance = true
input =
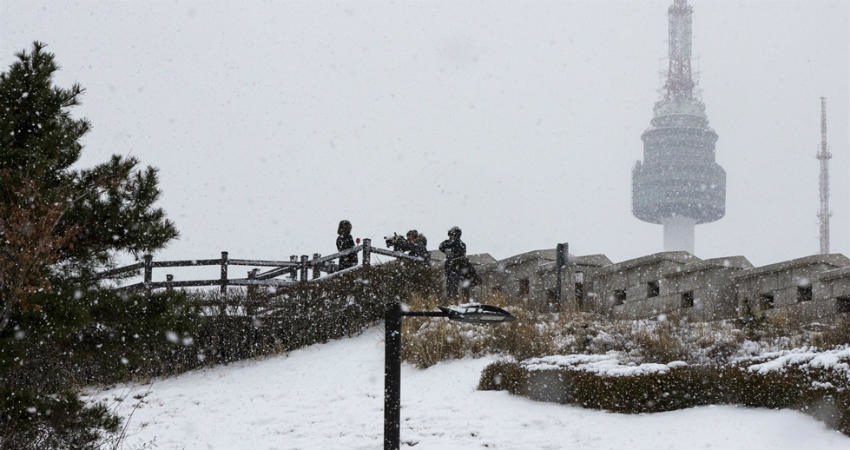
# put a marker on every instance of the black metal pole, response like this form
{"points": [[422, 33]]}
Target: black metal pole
{"points": [[392, 377], [392, 362]]}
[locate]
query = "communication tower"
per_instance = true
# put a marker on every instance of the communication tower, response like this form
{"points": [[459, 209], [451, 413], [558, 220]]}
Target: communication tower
{"points": [[679, 184], [824, 156]]}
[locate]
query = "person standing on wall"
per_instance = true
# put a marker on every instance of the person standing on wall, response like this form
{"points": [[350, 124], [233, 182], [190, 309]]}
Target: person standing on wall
{"points": [[456, 261], [344, 241]]}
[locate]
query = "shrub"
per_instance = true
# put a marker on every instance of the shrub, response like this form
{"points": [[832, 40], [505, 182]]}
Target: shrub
{"points": [[226, 328], [81, 337], [835, 334], [73, 340], [60, 421], [821, 393]]}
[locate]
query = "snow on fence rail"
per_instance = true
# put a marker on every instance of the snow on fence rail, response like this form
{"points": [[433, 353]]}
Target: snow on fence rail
{"points": [[298, 269]]}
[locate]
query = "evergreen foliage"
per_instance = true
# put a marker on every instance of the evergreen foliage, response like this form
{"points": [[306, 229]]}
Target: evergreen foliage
{"points": [[59, 225], [105, 337], [96, 213]]}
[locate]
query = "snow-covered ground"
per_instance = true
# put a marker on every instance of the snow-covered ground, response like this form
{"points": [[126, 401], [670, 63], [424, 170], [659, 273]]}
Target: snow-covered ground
{"points": [[330, 397]]}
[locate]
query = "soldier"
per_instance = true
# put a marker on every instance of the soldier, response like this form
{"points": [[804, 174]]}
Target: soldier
{"points": [[344, 241], [413, 243], [456, 261], [417, 245]]}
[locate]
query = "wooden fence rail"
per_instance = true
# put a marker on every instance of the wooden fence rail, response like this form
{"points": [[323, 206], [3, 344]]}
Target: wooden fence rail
{"points": [[298, 269]]}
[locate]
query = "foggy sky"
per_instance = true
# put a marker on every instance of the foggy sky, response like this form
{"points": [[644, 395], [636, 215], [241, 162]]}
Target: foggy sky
{"points": [[517, 121]]}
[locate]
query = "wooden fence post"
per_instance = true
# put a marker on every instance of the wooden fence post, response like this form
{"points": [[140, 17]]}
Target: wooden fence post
{"points": [[252, 274], [224, 272], [317, 268], [293, 271], [148, 272], [367, 252], [252, 292], [304, 264], [168, 279]]}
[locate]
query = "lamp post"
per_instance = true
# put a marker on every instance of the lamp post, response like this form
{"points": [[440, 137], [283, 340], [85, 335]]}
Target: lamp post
{"points": [[470, 313]]}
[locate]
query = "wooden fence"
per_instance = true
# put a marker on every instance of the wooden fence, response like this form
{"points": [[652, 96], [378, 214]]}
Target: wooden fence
{"points": [[298, 269]]}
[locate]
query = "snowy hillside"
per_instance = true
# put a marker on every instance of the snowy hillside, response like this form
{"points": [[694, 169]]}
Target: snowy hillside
{"points": [[330, 397]]}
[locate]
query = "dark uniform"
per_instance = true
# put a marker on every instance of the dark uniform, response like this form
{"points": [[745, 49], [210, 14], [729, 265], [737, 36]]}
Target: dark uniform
{"points": [[415, 245], [344, 241], [421, 244], [456, 262]]}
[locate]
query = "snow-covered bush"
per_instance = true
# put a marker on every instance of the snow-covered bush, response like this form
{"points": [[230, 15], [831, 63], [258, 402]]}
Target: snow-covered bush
{"points": [[815, 382]]}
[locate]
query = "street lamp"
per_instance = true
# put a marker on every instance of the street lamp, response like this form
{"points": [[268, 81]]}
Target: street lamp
{"points": [[468, 313]]}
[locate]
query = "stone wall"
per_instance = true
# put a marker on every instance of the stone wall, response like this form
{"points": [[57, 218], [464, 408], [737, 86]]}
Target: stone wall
{"points": [[532, 277], [670, 282], [703, 291], [633, 289], [832, 289], [791, 287]]}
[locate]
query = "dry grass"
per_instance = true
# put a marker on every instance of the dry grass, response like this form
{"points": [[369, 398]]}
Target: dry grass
{"points": [[835, 334], [428, 341], [538, 333], [660, 341], [434, 342]]}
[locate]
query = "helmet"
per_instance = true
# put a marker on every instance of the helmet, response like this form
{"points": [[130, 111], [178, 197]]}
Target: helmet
{"points": [[454, 232], [344, 227], [412, 234]]}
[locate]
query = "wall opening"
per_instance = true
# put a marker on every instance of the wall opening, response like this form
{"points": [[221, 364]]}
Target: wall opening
{"points": [[766, 301], [579, 277], [552, 295], [688, 299], [843, 304], [804, 293], [653, 288], [619, 296]]}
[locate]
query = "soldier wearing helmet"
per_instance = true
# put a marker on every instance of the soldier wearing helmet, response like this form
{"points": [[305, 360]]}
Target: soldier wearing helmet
{"points": [[417, 245], [456, 262]]}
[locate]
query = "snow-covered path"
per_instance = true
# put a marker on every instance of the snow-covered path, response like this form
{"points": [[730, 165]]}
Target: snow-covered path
{"points": [[330, 397]]}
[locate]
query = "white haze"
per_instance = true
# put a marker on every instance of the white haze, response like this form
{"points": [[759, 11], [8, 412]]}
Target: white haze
{"points": [[518, 121]]}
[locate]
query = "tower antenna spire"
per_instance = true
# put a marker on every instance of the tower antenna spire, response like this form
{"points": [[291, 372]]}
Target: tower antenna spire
{"points": [[680, 82], [824, 156]]}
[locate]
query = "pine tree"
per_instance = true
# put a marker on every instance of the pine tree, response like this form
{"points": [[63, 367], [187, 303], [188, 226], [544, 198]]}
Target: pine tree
{"points": [[95, 213], [58, 226]]}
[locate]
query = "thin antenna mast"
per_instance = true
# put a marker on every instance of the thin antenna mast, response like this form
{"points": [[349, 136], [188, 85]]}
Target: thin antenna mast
{"points": [[824, 156]]}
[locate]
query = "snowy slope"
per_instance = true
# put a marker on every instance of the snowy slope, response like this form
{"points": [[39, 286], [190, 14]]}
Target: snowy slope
{"points": [[330, 397]]}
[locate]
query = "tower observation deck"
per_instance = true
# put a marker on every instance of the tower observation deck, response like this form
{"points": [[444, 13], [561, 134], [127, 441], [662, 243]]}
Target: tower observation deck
{"points": [[679, 184]]}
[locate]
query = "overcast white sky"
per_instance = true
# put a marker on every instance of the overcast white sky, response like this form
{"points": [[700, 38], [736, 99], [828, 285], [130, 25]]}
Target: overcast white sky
{"points": [[517, 121]]}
